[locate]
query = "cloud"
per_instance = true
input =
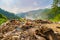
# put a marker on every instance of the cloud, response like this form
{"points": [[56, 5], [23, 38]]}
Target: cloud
{"points": [[16, 6], [17, 10], [26, 9]]}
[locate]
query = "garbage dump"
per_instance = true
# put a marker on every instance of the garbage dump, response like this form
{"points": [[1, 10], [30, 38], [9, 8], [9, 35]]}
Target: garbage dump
{"points": [[29, 30]]}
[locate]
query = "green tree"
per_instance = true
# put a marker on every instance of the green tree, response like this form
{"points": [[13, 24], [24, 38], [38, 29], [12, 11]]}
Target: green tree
{"points": [[55, 7], [54, 14]]}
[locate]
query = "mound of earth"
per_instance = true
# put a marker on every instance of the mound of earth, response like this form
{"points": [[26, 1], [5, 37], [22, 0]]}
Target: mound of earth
{"points": [[29, 30]]}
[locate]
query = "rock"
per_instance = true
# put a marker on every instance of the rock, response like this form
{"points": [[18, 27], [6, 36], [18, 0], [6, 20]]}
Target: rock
{"points": [[29, 30]]}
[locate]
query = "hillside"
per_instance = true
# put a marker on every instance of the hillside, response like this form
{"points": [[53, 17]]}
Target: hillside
{"points": [[44, 14], [9, 15], [2, 19], [54, 15], [35, 14]]}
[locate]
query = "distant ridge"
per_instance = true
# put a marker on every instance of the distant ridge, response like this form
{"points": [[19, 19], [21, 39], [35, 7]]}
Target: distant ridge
{"points": [[35, 14], [9, 15]]}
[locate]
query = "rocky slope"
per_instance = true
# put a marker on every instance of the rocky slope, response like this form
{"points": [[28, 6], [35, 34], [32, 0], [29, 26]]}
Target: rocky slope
{"points": [[29, 30]]}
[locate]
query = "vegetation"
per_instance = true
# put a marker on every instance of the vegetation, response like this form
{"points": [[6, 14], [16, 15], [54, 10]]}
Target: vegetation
{"points": [[54, 14], [5, 15], [2, 19], [35, 14], [9, 15]]}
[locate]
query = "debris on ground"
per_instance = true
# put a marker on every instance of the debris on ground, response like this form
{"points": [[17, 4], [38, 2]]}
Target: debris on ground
{"points": [[29, 30]]}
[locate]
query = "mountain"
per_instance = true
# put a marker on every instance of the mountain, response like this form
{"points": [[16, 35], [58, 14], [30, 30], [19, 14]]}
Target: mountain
{"points": [[35, 14], [9, 15]]}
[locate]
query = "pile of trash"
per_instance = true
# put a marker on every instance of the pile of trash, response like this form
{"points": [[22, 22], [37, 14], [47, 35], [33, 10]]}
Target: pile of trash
{"points": [[28, 30]]}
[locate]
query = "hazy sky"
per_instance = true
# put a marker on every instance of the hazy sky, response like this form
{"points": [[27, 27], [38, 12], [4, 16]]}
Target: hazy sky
{"points": [[24, 5]]}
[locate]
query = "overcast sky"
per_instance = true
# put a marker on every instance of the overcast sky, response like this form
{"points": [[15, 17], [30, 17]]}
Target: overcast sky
{"points": [[16, 6]]}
